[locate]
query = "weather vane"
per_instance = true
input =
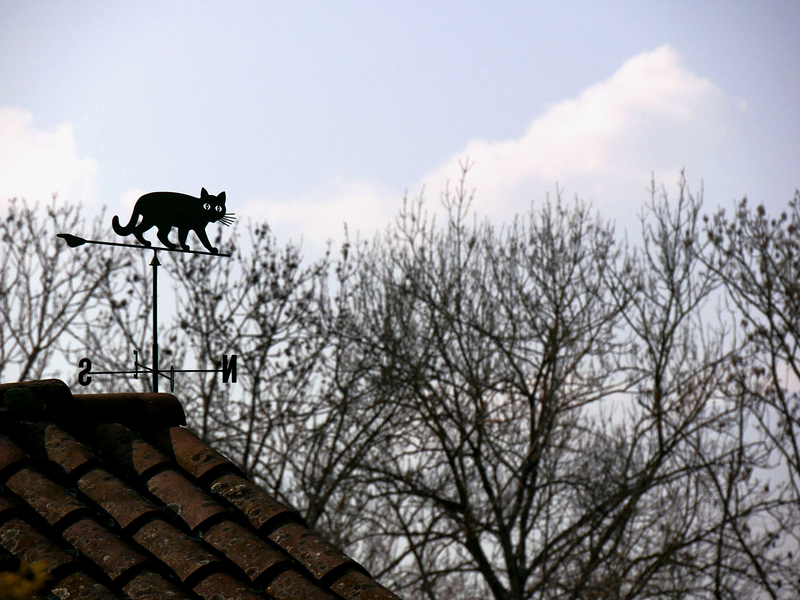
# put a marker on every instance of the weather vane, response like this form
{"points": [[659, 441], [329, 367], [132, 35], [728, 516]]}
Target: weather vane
{"points": [[165, 210]]}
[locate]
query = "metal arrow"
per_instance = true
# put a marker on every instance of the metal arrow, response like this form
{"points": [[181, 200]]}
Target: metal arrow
{"points": [[73, 241]]}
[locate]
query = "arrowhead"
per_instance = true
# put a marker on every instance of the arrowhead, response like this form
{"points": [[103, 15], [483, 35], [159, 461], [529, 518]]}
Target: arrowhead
{"points": [[73, 241]]}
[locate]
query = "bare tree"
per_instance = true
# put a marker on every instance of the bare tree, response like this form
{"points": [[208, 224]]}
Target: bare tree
{"points": [[758, 258], [528, 412], [492, 345], [562, 426], [45, 287], [685, 424]]}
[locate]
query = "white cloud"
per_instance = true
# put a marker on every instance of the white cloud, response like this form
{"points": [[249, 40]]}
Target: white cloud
{"points": [[652, 115], [35, 163]]}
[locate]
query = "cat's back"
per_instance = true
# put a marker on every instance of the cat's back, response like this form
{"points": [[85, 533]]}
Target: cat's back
{"points": [[165, 200]]}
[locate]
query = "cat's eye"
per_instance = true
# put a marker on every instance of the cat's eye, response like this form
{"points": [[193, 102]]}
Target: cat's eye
{"points": [[218, 208], [206, 206]]}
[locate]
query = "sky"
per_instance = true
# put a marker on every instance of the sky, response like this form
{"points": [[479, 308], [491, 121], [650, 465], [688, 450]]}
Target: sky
{"points": [[315, 114]]}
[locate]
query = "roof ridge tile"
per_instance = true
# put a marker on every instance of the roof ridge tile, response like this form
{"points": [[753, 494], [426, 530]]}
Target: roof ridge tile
{"points": [[51, 399]]}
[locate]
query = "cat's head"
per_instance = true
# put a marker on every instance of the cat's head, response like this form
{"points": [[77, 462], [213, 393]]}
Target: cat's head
{"points": [[214, 208]]}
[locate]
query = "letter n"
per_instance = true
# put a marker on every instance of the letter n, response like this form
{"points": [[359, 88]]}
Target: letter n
{"points": [[228, 368]]}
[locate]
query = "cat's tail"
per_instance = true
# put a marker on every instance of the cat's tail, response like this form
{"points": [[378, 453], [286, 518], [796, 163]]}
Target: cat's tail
{"points": [[128, 229]]}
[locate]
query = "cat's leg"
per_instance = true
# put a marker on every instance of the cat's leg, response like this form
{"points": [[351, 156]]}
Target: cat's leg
{"points": [[183, 233], [140, 229], [201, 233], [163, 235]]}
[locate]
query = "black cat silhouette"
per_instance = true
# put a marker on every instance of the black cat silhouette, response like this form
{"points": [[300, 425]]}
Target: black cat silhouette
{"points": [[166, 210]]}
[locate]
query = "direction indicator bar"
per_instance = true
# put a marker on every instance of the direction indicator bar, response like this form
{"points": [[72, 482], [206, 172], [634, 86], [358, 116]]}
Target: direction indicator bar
{"points": [[73, 241]]}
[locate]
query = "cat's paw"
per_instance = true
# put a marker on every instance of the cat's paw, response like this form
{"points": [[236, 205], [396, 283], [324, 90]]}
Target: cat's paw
{"points": [[214, 251], [185, 246]]}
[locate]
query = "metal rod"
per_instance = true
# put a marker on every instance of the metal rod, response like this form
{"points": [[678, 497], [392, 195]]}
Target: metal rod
{"points": [[149, 370], [112, 372], [155, 264]]}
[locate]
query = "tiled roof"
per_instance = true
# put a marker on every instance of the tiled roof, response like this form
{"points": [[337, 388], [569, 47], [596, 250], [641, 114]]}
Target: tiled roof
{"points": [[117, 499]]}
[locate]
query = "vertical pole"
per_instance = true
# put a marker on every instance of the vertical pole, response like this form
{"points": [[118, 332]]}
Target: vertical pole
{"points": [[155, 264]]}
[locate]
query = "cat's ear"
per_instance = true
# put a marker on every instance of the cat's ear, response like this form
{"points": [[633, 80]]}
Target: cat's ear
{"points": [[203, 193], [221, 197]]}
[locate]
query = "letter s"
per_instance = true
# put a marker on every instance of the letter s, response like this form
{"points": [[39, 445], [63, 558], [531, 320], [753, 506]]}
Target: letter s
{"points": [[83, 375]]}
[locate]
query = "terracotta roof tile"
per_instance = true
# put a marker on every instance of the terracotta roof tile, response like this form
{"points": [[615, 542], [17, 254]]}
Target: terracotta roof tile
{"points": [[261, 509], [316, 555], [80, 585], [255, 556], [6, 507], [152, 586], [290, 585], [115, 498], [183, 555], [25, 542], [190, 452], [221, 586], [10, 454], [180, 495], [58, 447], [119, 501], [102, 547], [355, 585], [125, 452], [44, 496], [41, 494]]}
